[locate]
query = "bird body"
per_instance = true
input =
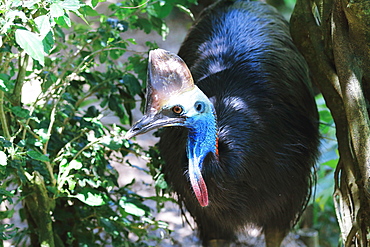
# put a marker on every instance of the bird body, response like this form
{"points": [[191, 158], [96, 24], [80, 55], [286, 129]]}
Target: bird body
{"points": [[244, 134]]}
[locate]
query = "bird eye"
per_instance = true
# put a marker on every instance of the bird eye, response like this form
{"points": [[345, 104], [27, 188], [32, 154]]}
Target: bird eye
{"points": [[199, 106], [177, 109]]}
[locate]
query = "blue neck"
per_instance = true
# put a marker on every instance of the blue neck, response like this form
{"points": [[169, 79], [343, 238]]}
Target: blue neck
{"points": [[202, 138]]}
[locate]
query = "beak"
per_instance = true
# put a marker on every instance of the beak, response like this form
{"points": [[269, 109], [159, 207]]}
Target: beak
{"points": [[152, 121]]}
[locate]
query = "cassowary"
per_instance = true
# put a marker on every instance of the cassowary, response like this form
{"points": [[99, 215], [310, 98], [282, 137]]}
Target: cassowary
{"points": [[241, 133]]}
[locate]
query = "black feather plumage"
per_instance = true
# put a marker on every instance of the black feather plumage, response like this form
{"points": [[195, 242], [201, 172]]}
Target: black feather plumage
{"points": [[241, 56]]}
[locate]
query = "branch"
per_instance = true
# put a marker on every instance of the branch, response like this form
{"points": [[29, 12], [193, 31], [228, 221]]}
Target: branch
{"points": [[4, 123], [17, 92], [350, 76], [52, 120], [314, 42]]}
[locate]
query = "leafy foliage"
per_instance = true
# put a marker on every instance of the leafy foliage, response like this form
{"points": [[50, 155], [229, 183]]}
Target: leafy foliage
{"points": [[55, 150]]}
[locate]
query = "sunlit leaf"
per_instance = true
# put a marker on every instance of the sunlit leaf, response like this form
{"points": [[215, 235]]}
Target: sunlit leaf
{"points": [[17, 3], [91, 198], [30, 3], [31, 43], [65, 167], [74, 164], [134, 207], [161, 182], [43, 24], [4, 85], [3, 159], [56, 10], [71, 5], [12, 14]]}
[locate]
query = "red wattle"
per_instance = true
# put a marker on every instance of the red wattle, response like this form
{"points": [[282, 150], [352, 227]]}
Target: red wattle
{"points": [[199, 188]]}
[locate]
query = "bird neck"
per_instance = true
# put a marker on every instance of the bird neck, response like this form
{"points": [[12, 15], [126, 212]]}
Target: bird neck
{"points": [[202, 138]]}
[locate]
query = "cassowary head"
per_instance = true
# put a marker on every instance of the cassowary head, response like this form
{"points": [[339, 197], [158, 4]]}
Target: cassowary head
{"points": [[174, 100]]}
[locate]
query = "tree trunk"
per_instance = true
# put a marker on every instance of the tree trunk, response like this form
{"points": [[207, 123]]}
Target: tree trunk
{"points": [[38, 206], [334, 37]]}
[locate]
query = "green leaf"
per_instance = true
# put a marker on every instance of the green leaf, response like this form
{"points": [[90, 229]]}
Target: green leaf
{"points": [[5, 143], [95, 2], [160, 9], [71, 184], [161, 182], [91, 197], [112, 143], [17, 3], [4, 83], [20, 112], [56, 10], [63, 21], [66, 166], [134, 207], [132, 84], [29, 3], [6, 195], [88, 11], [143, 24], [110, 226], [37, 156], [31, 44], [115, 54], [50, 80], [102, 57], [12, 14], [3, 159], [48, 42], [8, 231], [74, 164], [72, 5], [43, 25]]}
